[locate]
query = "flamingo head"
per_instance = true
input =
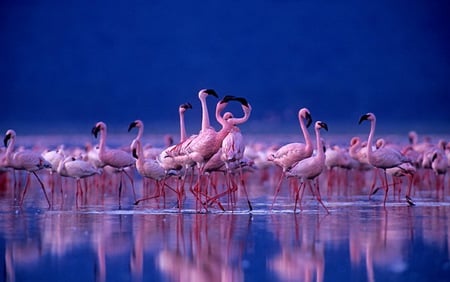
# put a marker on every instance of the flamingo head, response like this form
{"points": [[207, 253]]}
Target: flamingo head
{"points": [[304, 113], [368, 116], [136, 123], [184, 107], [321, 124], [96, 129], [10, 134], [205, 92]]}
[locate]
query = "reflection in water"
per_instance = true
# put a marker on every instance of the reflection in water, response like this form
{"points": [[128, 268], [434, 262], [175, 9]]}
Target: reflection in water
{"points": [[354, 243]]}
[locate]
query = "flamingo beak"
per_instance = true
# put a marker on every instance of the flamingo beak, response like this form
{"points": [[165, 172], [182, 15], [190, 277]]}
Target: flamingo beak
{"points": [[135, 155], [211, 92], [227, 99], [6, 139], [363, 118], [324, 126], [95, 131], [308, 119], [186, 106], [243, 101], [131, 126]]}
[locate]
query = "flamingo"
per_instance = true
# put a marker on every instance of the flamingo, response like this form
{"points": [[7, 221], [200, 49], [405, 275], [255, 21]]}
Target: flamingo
{"points": [[148, 168], [181, 110], [310, 168], [290, 154], [180, 152], [439, 164], [383, 158], [54, 157], [77, 169], [233, 146], [115, 158], [403, 169], [27, 160]]}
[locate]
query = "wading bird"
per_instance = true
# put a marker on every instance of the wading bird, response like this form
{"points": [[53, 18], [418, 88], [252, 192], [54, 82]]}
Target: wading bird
{"points": [[27, 160], [115, 158], [310, 168], [383, 158]]}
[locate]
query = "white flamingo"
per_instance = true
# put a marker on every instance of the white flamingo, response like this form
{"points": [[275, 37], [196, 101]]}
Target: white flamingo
{"points": [[290, 154], [383, 158], [115, 158], [27, 160], [78, 169], [310, 168]]}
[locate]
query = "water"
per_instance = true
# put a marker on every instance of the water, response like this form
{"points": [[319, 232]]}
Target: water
{"points": [[98, 240]]}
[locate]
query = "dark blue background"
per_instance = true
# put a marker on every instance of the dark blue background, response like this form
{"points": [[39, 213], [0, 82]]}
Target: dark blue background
{"points": [[66, 64]]}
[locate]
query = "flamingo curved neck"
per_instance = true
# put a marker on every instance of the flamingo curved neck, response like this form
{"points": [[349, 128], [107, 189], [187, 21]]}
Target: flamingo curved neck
{"points": [[306, 134], [320, 152], [370, 139], [102, 143], [140, 132], [9, 150], [205, 114], [182, 127], [237, 121]]}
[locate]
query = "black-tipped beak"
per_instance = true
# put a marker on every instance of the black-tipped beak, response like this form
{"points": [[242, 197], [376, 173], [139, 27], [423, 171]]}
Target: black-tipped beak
{"points": [[186, 106], [95, 131], [308, 119], [132, 125], [363, 118], [227, 99], [6, 139], [135, 155], [243, 101], [324, 125], [212, 92]]}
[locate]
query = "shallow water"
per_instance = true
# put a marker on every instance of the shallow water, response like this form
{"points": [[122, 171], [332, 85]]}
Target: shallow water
{"points": [[98, 240]]}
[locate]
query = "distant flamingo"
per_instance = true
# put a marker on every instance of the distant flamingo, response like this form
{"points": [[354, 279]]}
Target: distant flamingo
{"points": [[290, 154], [54, 157], [149, 168], [27, 160], [439, 164], [115, 158], [77, 169], [404, 169], [310, 168], [181, 110], [383, 158]]}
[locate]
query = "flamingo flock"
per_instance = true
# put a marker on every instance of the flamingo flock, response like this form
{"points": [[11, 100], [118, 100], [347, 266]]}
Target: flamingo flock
{"points": [[214, 166]]}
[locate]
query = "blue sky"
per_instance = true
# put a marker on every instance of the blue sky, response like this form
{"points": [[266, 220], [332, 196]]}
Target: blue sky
{"points": [[72, 63]]}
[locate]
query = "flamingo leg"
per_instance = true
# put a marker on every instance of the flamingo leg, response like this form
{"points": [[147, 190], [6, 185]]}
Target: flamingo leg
{"points": [[43, 188], [132, 183], [278, 187]]}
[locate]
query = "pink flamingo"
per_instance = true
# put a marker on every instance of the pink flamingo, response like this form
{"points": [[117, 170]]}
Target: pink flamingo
{"points": [[27, 160], [149, 168], [310, 168], [383, 158], [439, 164], [232, 148], [181, 110], [115, 158], [403, 169], [201, 148], [290, 154], [77, 169]]}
